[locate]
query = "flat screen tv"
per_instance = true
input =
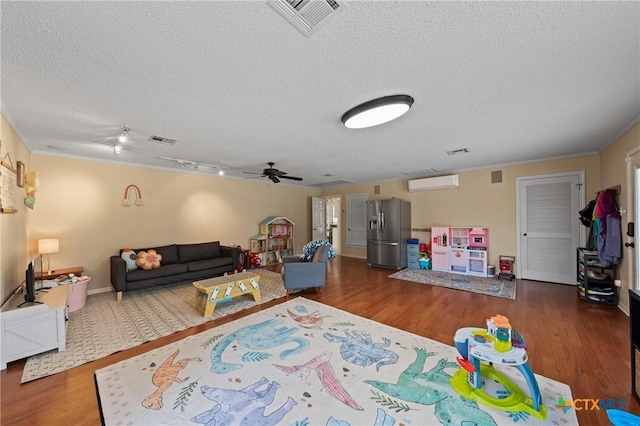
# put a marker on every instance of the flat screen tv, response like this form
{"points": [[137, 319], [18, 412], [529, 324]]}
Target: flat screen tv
{"points": [[30, 279]]}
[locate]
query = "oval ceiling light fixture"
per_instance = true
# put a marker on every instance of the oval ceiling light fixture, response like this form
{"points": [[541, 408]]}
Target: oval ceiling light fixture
{"points": [[377, 111]]}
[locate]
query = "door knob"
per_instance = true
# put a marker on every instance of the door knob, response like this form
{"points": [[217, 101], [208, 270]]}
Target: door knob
{"points": [[525, 234], [632, 245]]}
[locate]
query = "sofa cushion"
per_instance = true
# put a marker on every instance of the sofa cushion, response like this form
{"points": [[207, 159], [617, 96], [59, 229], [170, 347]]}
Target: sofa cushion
{"points": [[163, 271], [321, 254], [191, 252], [199, 265]]}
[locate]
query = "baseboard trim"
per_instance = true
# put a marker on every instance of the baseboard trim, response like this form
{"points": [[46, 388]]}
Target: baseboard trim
{"points": [[100, 290]]}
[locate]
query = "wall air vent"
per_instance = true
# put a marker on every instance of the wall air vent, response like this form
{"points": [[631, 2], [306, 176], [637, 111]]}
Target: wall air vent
{"points": [[307, 15], [163, 141], [439, 182]]}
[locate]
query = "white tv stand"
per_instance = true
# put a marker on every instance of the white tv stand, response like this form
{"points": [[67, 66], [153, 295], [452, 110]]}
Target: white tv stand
{"points": [[33, 328]]}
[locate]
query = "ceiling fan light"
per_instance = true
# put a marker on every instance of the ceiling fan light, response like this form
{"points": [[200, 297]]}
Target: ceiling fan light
{"points": [[377, 111], [274, 178], [220, 172], [117, 149]]}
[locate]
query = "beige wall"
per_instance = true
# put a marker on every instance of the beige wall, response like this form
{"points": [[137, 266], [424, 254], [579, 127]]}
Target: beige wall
{"points": [[79, 202], [614, 172], [477, 202], [14, 230]]}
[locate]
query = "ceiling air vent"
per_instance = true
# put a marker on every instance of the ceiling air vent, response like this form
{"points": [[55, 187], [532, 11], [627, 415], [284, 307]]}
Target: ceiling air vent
{"points": [[163, 141], [307, 15]]}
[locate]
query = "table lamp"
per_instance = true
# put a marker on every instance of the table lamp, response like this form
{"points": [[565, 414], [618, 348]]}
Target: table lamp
{"points": [[48, 246]]}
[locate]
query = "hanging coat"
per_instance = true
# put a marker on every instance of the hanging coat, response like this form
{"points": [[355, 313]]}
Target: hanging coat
{"points": [[608, 232]]}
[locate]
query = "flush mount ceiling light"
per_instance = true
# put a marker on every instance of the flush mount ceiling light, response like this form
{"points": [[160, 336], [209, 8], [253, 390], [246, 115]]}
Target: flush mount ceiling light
{"points": [[377, 111]]}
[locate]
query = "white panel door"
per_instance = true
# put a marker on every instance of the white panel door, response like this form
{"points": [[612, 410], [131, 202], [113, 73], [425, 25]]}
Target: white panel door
{"points": [[318, 231], [548, 227], [357, 220]]}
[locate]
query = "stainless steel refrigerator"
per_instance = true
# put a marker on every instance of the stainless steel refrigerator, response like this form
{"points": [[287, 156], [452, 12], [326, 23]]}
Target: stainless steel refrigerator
{"points": [[388, 228]]}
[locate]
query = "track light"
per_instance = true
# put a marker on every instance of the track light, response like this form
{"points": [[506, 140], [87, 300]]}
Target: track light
{"points": [[123, 135], [117, 149], [377, 111], [196, 165]]}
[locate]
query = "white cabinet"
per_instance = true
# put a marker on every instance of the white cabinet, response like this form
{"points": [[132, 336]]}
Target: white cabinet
{"points": [[33, 328]]}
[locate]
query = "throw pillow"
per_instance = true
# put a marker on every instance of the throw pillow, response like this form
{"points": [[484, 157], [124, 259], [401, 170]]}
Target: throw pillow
{"points": [[129, 256], [149, 259]]}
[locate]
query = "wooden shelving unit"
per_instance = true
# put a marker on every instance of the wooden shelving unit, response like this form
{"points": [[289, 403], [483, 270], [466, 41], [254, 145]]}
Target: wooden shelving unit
{"points": [[274, 240]]}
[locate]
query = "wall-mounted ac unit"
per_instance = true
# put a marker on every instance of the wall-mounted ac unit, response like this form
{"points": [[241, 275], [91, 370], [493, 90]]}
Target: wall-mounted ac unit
{"points": [[438, 182]]}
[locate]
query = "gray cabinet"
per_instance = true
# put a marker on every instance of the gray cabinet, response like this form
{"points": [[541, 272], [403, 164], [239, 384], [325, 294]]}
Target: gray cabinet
{"points": [[413, 256]]}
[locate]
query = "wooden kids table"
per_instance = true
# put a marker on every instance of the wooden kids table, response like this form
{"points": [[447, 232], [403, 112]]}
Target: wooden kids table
{"points": [[218, 289]]}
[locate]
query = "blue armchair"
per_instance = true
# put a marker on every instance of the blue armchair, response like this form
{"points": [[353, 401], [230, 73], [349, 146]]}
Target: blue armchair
{"points": [[299, 274]]}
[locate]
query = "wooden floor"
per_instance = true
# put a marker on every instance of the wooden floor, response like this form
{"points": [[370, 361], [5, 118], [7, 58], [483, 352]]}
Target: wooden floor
{"points": [[583, 345]]}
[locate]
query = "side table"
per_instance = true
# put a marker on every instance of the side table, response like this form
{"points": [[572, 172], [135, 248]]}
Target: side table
{"points": [[48, 275]]}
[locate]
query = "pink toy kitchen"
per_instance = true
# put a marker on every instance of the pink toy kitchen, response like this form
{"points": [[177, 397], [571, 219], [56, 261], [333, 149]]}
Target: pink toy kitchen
{"points": [[460, 250]]}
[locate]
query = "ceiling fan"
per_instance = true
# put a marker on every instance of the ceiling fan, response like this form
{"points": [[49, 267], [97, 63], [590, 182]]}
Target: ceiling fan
{"points": [[274, 174]]}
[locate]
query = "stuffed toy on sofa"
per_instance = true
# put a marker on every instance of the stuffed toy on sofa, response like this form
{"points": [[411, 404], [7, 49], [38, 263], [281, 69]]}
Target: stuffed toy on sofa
{"points": [[148, 259]]}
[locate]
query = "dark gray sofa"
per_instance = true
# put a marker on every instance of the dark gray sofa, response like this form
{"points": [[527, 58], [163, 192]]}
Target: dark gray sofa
{"points": [[180, 262]]}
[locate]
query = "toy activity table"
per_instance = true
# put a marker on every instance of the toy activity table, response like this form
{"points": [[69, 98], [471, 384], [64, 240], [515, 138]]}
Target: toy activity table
{"points": [[222, 289], [480, 350]]}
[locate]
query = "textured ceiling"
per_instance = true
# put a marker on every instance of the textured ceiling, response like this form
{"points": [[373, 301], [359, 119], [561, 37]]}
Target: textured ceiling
{"points": [[237, 85]]}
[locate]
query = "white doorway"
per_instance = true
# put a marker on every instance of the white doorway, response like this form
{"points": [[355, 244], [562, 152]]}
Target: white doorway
{"points": [[548, 227], [357, 220], [333, 225], [318, 223]]}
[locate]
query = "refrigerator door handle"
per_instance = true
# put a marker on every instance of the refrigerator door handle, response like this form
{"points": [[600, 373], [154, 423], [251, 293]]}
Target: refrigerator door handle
{"points": [[386, 243], [382, 220]]}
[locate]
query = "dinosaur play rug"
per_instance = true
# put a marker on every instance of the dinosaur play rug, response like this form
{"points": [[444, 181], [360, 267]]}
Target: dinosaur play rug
{"points": [[481, 285], [304, 363]]}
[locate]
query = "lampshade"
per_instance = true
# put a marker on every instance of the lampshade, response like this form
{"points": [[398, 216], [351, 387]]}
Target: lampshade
{"points": [[50, 245], [377, 111]]}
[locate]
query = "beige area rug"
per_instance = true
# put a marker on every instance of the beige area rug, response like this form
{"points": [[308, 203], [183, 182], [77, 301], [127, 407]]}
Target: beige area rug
{"points": [[305, 363], [105, 326]]}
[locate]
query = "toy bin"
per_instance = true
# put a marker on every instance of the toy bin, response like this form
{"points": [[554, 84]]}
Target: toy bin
{"points": [[77, 294], [425, 263]]}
